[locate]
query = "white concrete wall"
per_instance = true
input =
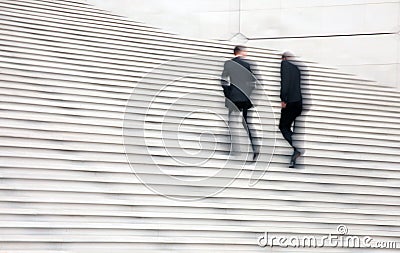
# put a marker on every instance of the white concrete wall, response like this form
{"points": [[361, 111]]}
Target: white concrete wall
{"points": [[265, 22], [207, 19], [374, 57]]}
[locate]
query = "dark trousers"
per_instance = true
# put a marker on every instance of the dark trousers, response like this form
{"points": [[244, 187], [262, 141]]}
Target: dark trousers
{"points": [[288, 117], [245, 124]]}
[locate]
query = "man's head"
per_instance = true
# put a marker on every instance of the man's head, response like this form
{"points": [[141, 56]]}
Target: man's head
{"points": [[287, 56], [240, 51]]}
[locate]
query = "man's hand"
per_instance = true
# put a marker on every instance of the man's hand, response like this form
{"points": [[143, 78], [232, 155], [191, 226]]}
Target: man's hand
{"points": [[283, 105]]}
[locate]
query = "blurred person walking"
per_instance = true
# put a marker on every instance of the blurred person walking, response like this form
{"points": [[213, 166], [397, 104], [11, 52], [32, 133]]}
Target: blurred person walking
{"points": [[238, 81], [291, 101]]}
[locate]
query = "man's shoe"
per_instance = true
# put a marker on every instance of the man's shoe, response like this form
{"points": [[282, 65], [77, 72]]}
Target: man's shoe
{"points": [[255, 156], [295, 155]]}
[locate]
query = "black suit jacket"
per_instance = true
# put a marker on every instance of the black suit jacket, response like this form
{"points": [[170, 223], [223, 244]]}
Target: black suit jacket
{"points": [[290, 82], [238, 81]]}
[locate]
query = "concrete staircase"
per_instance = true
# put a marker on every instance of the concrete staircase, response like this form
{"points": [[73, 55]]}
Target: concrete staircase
{"points": [[114, 139]]}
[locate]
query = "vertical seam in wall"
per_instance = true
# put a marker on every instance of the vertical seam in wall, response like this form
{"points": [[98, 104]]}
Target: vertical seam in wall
{"points": [[240, 16], [398, 50]]}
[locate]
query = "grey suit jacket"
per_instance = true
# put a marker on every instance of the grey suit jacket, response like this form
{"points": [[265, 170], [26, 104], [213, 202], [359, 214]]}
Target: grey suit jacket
{"points": [[238, 81]]}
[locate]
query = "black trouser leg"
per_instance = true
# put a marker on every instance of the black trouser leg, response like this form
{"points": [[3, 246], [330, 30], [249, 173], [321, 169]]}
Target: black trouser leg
{"points": [[288, 117], [230, 128], [285, 125], [229, 117], [248, 130]]}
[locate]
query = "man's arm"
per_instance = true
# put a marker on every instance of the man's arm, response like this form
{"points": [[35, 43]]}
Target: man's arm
{"points": [[225, 75], [224, 80], [256, 73], [284, 82]]}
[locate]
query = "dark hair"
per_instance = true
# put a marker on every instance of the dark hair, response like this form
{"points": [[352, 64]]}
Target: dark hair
{"points": [[287, 54], [238, 49]]}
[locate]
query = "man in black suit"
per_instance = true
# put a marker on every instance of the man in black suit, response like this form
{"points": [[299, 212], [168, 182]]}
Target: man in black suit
{"points": [[238, 81], [291, 101]]}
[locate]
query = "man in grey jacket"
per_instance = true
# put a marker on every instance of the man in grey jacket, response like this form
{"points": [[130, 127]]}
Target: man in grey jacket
{"points": [[238, 81]]}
